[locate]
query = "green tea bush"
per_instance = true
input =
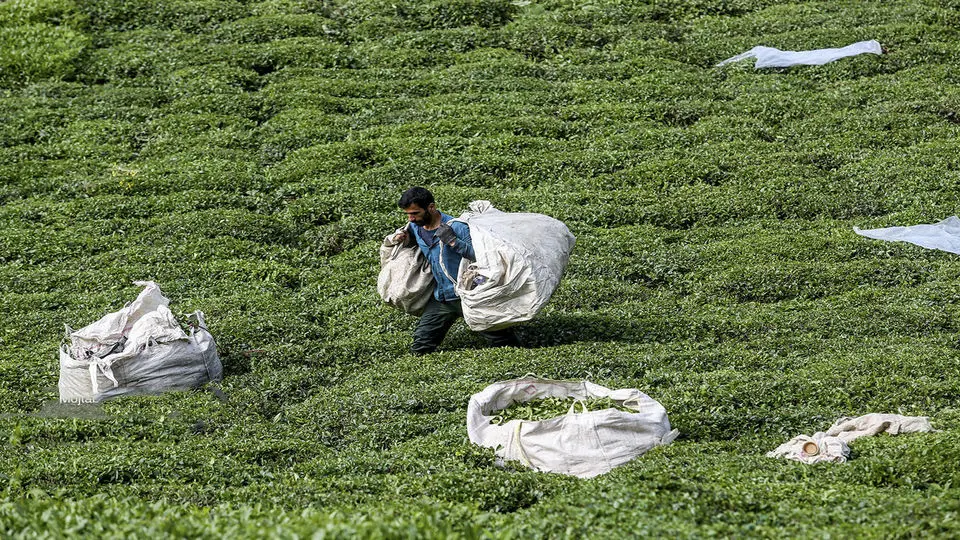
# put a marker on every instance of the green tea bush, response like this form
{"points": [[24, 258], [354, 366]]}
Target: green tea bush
{"points": [[239, 224], [183, 15], [645, 256], [377, 27], [267, 28], [287, 7], [298, 93], [378, 56], [38, 51], [248, 157], [26, 123], [242, 105], [284, 53], [128, 206], [136, 104], [145, 54], [539, 39], [339, 236], [514, 491], [625, 15], [314, 210], [100, 139], [165, 135], [459, 13], [338, 84], [338, 158], [216, 170], [459, 40], [212, 79], [52, 12], [68, 176], [294, 129], [680, 11], [542, 127]]}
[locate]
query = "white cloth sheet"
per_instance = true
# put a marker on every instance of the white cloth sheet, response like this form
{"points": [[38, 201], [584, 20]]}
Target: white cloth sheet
{"points": [[768, 57], [943, 235]]}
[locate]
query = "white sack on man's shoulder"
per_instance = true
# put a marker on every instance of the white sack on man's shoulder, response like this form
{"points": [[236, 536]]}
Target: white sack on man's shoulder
{"points": [[768, 57], [520, 259]]}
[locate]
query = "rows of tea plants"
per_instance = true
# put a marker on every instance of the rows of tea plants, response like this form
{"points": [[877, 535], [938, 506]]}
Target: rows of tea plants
{"points": [[248, 155]]}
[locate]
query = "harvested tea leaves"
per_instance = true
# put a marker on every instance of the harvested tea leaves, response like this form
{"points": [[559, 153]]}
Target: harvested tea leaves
{"points": [[551, 407]]}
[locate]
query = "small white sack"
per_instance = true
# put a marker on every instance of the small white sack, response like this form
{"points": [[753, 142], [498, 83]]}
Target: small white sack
{"points": [[583, 444], [770, 57], [832, 445], [521, 258], [825, 448], [405, 280], [943, 235], [138, 349]]}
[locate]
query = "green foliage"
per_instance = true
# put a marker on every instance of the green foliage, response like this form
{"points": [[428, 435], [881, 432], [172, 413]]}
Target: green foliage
{"points": [[213, 79], [294, 129], [285, 53], [482, 13], [142, 55], [184, 15], [540, 39], [248, 155], [268, 28], [52, 12], [426, 15], [37, 51]]}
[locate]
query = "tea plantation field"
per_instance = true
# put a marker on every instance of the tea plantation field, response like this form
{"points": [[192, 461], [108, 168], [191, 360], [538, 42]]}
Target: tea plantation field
{"points": [[248, 155]]}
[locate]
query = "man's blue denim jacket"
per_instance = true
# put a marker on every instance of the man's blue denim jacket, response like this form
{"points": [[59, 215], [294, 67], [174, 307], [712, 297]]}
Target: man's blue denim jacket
{"points": [[463, 247]]}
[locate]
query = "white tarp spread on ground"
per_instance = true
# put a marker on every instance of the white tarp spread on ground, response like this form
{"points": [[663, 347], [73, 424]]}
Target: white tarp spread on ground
{"points": [[768, 57], [138, 349], [944, 235], [832, 444], [583, 444], [520, 260]]}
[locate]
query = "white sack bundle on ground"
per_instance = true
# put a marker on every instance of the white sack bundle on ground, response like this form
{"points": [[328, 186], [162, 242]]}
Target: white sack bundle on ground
{"points": [[520, 260], [768, 57], [943, 235], [582, 444], [139, 349], [832, 444]]}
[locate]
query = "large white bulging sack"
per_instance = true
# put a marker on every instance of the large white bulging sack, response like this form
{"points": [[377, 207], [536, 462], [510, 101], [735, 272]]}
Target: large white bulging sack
{"points": [[138, 349], [582, 444], [520, 260], [405, 280]]}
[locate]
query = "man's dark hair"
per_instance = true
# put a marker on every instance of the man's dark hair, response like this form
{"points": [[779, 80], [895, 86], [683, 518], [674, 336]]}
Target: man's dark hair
{"points": [[418, 196]]}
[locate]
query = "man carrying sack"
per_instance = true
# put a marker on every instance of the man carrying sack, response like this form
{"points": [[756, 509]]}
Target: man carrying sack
{"points": [[430, 227]]}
